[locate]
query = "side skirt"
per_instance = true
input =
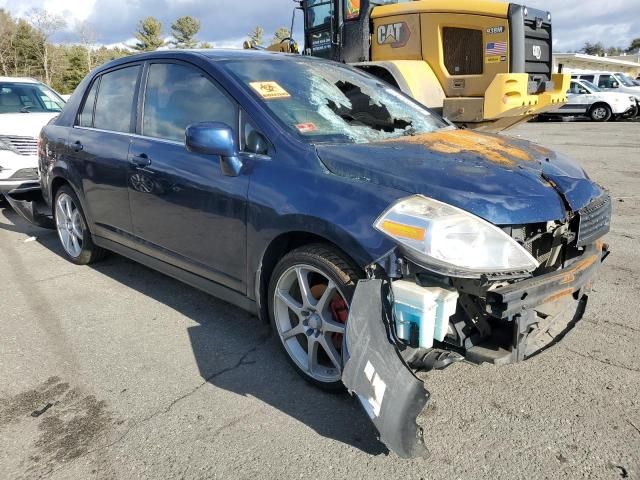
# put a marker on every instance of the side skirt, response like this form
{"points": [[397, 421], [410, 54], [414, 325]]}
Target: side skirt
{"points": [[207, 286]]}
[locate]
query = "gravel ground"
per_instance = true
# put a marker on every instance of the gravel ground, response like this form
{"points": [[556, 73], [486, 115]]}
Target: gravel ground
{"points": [[149, 378]]}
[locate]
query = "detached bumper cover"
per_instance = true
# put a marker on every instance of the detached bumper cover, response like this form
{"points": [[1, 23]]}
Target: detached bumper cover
{"points": [[388, 390], [30, 205]]}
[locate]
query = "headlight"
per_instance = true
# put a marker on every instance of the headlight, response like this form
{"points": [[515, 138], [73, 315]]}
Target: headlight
{"points": [[450, 241]]}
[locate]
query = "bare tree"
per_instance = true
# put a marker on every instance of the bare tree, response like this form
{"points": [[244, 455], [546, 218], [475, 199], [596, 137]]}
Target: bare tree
{"points": [[46, 24], [86, 35]]}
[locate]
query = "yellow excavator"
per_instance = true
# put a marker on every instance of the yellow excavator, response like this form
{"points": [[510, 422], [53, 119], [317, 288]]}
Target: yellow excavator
{"points": [[483, 64]]}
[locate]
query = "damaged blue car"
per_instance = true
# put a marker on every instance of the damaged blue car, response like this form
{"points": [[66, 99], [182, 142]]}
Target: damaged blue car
{"points": [[377, 238]]}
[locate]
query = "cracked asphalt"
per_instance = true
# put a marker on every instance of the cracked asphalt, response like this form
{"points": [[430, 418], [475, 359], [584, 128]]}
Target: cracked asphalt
{"points": [[144, 377]]}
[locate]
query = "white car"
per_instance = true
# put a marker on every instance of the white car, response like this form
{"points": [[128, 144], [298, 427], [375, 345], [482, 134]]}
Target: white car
{"points": [[612, 82], [26, 106], [585, 99]]}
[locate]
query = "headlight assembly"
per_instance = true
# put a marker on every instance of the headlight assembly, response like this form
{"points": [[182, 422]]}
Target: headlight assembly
{"points": [[450, 241]]}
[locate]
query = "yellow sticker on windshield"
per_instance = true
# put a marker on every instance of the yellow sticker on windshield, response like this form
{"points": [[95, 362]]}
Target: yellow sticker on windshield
{"points": [[269, 90]]}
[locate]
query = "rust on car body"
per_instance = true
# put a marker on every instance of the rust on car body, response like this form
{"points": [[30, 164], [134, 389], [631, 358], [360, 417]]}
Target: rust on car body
{"points": [[491, 147]]}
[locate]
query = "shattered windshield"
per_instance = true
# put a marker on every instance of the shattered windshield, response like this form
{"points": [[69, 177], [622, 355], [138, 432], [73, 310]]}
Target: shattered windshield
{"points": [[329, 102]]}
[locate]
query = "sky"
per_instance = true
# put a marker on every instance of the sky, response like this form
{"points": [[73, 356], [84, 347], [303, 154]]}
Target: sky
{"points": [[225, 23]]}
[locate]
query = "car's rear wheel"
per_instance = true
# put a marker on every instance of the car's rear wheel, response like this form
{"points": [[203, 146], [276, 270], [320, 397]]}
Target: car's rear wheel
{"points": [[73, 233], [309, 296], [600, 112]]}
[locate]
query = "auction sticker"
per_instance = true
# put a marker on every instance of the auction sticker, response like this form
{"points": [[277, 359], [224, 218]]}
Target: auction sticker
{"points": [[306, 127], [269, 90]]}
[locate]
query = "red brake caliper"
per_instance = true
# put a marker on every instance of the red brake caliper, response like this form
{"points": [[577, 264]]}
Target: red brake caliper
{"points": [[339, 312]]}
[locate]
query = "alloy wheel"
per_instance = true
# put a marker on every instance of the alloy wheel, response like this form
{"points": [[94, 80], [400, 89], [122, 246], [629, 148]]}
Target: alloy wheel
{"points": [[310, 315], [69, 225]]}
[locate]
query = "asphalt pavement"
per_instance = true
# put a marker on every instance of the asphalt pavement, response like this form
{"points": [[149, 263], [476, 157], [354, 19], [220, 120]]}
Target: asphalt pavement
{"points": [[115, 371]]}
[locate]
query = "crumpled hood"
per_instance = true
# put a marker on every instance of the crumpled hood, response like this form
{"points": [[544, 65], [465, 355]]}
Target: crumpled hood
{"points": [[24, 124], [503, 180]]}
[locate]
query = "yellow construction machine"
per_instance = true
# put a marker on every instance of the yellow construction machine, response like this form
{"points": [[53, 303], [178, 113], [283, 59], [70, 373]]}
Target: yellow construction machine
{"points": [[483, 64]]}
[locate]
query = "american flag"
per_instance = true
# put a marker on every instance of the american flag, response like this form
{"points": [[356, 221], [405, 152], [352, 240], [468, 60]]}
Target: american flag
{"points": [[497, 48]]}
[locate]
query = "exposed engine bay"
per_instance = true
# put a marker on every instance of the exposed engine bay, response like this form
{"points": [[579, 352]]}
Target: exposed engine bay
{"points": [[431, 321]]}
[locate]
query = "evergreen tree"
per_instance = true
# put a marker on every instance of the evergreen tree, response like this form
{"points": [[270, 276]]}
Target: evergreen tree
{"points": [[149, 35], [184, 30]]}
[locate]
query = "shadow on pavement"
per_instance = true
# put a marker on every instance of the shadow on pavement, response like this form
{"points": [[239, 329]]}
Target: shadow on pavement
{"points": [[234, 350]]}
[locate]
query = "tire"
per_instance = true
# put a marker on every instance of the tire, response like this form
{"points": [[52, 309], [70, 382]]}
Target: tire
{"points": [[302, 325], [600, 112], [71, 224]]}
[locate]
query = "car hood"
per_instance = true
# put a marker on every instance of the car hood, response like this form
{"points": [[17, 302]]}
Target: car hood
{"points": [[505, 181], [612, 95], [24, 124]]}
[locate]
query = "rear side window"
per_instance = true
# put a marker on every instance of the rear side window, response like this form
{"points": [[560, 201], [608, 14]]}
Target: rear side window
{"points": [[114, 107], [177, 96], [85, 119], [462, 49], [587, 77]]}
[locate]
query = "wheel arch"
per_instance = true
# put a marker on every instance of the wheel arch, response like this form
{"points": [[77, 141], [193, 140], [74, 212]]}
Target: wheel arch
{"points": [[278, 248]]}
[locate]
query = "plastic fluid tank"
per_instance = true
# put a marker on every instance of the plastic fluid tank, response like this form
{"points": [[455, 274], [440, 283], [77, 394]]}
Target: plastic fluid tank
{"points": [[429, 308]]}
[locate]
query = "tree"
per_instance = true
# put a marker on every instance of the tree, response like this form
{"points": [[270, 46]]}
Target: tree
{"points": [[184, 30], [635, 46], [593, 48], [87, 37], [7, 33], [46, 24], [280, 35], [257, 36], [149, 35], [205, 45], [613, 51]]}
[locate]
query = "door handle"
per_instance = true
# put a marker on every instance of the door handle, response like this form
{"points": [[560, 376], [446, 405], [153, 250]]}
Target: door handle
{"points": [[77, 146], [141, 160]]}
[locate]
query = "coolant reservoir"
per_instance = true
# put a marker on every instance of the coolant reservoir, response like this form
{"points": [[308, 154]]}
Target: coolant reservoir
{"points": [[428, 308]]}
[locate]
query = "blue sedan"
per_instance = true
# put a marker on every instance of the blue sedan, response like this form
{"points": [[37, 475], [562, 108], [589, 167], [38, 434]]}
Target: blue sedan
{"points": [[377, 238]]}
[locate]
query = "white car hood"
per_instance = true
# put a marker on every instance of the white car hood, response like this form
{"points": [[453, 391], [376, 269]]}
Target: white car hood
{"points": [[24, 124], [614, 95]]}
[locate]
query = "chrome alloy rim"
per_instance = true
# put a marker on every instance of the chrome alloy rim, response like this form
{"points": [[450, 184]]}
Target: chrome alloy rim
{"points": [[69, 224], [306, 324]]}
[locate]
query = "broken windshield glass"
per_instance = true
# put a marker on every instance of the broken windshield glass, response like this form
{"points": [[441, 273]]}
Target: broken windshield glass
{"points": [[323, 101]]}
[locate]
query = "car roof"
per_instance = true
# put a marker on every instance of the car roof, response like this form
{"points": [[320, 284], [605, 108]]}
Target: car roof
{"points": [[216, 54], [19, 80]]}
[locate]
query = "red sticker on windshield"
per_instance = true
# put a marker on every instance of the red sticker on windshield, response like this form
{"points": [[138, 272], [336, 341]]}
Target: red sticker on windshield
{"points": [[306, 127]]}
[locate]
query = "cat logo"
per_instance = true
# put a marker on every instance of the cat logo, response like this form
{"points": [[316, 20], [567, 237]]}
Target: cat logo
{"points": [[537, 51], [394, 34]]}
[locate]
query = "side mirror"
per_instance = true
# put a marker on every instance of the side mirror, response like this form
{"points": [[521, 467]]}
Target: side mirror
{"points": [[257, 143], [615, 85], [215, 138]]}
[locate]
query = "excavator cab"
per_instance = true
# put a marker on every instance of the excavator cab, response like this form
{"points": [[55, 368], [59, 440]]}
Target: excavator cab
{"points": [[483, 64]]}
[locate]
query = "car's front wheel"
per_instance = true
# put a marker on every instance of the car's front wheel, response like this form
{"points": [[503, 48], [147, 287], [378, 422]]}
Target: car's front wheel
{"points": [[600, 112], [309, 295], [73, 233]]}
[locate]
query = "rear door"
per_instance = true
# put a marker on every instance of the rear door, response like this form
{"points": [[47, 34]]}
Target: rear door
{"points": [[99, 145], [185, 211]]}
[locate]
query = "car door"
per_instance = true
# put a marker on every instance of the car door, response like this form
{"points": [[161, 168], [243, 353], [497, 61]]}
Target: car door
{"points": [[185, 211], [576, 99], [98, 147]]}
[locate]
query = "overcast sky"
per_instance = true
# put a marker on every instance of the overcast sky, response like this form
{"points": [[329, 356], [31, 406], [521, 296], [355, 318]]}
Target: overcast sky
{"points": [[226, 22]]}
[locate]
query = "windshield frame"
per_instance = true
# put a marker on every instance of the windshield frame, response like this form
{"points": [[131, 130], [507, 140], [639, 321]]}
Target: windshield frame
{"points": [[41, 88], [439, 123]]}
